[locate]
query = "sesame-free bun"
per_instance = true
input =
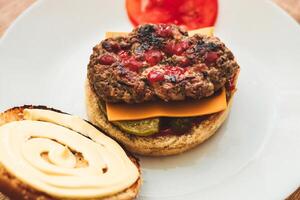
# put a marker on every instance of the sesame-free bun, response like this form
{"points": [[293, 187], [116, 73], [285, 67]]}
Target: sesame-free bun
{"points": [[15, 189], [154, 146]]}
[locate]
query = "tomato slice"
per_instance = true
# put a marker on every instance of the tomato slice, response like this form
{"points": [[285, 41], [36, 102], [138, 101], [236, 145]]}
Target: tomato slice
{"points": [[193, 14]]}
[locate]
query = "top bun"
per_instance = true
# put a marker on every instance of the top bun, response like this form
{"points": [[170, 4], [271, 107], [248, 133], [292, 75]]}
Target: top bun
{"points": [[49, 140]]}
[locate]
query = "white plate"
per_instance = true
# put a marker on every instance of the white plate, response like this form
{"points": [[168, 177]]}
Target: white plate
{"points": [[255, 155]]}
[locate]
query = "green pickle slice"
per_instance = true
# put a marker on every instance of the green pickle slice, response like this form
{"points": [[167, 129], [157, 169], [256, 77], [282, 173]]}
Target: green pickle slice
{"points": [[147, 127], [144, 127]]}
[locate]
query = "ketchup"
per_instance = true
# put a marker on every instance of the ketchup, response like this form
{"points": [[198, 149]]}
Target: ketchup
{"points": [[107, 60], [132, 64], [153, 57], [192, 14], [173, 70], [156, 76], [176, 48]]}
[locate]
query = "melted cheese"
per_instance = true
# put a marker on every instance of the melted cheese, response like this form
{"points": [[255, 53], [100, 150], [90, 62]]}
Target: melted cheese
{"points": [[209, 31], [122, 111], [115, 34]]}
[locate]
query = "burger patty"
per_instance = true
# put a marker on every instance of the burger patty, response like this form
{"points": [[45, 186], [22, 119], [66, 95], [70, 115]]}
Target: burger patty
{"points": [[160, 62]]}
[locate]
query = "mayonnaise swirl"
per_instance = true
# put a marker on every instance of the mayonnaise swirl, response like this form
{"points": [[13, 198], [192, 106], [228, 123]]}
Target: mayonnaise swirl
{"points": [[43, 150]]}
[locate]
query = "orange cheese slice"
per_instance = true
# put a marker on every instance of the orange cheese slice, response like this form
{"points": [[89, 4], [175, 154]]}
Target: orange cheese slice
{"points": [[209, 31], [122, 111], [115, 34]]}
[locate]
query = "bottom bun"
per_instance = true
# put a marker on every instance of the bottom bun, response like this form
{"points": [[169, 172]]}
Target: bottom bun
{"points": [[155, 146], [13, 188]]}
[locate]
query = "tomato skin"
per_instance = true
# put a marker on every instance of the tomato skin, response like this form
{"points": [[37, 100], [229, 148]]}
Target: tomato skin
{"points": [[192, 14]]}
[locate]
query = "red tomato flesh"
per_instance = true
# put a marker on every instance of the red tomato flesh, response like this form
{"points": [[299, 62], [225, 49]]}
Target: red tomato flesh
{"points": [[192, 14]]}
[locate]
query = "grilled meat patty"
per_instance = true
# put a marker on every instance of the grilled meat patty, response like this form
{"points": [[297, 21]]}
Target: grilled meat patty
{"points": [[159, 62]]}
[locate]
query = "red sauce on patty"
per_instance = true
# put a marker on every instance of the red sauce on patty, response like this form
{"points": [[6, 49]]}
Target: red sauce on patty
{"points": [[168, 71]]}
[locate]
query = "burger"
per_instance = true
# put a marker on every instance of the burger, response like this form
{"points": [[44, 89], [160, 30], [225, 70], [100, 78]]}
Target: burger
{"points": [[159, 91]]}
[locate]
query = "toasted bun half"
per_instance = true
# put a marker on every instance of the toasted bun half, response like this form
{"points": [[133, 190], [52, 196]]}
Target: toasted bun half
{"points": [[13, 188], [154, 146]]}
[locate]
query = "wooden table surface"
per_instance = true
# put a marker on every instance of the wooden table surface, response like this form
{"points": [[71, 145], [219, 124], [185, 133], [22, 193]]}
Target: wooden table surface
{"points": [[10, 9]]}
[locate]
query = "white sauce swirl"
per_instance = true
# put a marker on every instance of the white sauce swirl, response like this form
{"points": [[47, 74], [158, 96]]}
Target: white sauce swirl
{"points": [[43, 132]]}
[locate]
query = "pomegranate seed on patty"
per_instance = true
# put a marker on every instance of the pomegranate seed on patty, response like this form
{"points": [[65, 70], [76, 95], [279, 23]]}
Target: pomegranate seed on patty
{"points": [[176, 48], [173, 70], [155, 76], [123, 54], [211, 57], [153, 57], [133, 64], [107, 60]]}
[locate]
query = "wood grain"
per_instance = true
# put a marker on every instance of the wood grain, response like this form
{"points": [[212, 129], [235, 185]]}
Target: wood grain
{"points": [[295, 195], [291, 6], [10, 9]]}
